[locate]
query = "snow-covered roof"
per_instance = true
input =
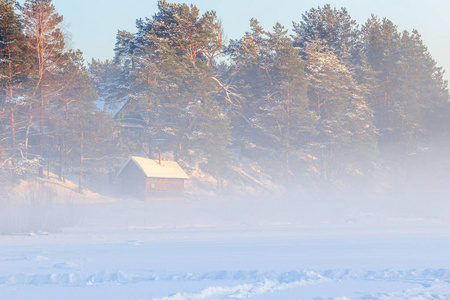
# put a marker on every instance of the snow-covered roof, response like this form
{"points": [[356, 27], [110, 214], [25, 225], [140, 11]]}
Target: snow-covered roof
{"points": [[151, 168], [114, 109], [99, 104]]}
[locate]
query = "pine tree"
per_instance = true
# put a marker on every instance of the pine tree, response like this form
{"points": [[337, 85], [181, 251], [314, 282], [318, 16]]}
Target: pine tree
{"points": [[13, 65], [410, 85], [248, 77], [110, 83], [381, 42], [84, 132], [335, 28], [346, 135], [46, 48], [283, 124], [269, 76], [210, 134], [424, 91], [167, 67], [14, 68], [172, 52], [247, 71]]}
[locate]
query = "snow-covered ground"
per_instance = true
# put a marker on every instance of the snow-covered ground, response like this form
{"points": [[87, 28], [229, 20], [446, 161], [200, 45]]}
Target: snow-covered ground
{"points": [[237, 249]]}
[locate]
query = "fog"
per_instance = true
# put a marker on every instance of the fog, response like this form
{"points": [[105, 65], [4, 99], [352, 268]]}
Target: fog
{"points": [[417, 206], [389, 240]]}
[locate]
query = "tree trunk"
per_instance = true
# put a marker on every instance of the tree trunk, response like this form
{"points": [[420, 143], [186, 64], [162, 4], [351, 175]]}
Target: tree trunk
{"points": [[41, 129], [80, 178], [13, 135], [62, 145], [288, 133], [27, 133]]}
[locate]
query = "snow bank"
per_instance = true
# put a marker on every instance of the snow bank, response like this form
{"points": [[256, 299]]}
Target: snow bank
{"points": [[424, 284]]}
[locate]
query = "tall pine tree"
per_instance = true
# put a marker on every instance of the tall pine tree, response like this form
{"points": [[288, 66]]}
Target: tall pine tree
{"points": [[46, 43], [14, 69]]}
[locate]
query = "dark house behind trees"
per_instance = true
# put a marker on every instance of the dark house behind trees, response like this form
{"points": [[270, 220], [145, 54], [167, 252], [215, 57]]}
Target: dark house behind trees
{"points": [[129, 117], [147, 178]]}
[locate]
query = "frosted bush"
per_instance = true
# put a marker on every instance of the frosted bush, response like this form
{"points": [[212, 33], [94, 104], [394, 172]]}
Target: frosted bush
{"points": [[36, 209]]}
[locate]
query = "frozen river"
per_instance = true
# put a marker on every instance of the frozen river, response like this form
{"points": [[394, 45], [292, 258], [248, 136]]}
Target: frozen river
{"points": [[207, 250]]}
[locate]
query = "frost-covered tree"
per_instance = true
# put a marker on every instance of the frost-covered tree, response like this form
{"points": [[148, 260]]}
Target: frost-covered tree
{"points": [[335, 28], [84, 134], [42, 28], [209, 134], [14, 70], [161, 73], [410, 85], [381, 42], [246, 72], [110, 82], [283, 124], [274, 120], [346, 135], [172, 57], [424, 91]]}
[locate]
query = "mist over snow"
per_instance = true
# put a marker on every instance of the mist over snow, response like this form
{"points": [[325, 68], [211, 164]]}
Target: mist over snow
{"points": [[254, 247], [301, 216]]}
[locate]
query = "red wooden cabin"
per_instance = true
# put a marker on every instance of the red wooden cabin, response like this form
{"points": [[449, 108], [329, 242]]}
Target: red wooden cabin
{"points": [[147, 178]]}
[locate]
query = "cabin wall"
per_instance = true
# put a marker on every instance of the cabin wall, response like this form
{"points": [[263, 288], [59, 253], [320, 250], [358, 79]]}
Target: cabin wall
{"points": [[163, 187], [133, 180]]}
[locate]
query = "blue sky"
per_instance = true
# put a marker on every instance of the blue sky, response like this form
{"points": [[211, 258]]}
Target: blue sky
{"points": [[93, 24]]}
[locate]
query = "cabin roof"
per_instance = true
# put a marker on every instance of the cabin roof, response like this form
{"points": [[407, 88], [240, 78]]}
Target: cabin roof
{"points": [[152, 169]]}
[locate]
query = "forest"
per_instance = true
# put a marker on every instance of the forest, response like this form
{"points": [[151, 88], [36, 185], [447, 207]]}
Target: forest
{"points": [[333, 106]]}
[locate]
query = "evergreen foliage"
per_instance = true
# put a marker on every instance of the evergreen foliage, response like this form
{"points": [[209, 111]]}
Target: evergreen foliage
{"points": [[169, 69], [14, 70], [47, 97], [338, 31], [329, 107]]}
